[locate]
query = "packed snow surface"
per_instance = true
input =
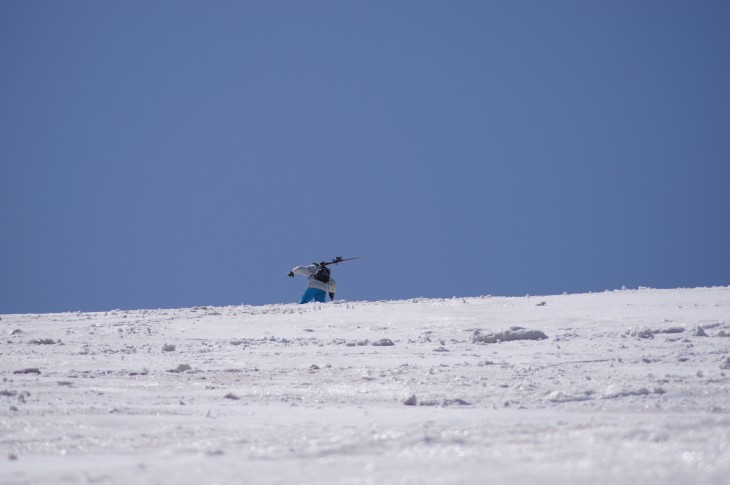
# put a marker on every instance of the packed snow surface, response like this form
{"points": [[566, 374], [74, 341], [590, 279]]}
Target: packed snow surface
{"points": [[621, 387]]}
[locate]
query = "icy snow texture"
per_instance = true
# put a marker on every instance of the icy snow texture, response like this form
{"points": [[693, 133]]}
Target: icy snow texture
{"points": [[624, 390]]}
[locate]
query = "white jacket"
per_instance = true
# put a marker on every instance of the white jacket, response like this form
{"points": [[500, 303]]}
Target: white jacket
{"points": [[310, 271]]}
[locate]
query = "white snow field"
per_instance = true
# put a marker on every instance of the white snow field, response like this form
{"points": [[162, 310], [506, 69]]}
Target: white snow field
{"points": [[620, 387]]}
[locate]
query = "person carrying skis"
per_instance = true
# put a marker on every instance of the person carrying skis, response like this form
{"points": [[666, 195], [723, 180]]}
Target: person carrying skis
{"points": [[319, 282]]}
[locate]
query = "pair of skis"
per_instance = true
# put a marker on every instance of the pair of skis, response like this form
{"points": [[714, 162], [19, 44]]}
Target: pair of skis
{"points": [[337, 260]]}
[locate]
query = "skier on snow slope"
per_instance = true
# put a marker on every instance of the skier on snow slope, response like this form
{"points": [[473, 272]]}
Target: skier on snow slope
{"points": [[319, 282]]}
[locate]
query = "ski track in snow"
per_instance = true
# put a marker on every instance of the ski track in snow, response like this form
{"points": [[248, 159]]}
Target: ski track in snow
{"points": [[629, 386]]}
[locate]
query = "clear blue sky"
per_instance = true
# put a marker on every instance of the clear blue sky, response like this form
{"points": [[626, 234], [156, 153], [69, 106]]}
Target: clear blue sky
{"points": [[180, 153]]}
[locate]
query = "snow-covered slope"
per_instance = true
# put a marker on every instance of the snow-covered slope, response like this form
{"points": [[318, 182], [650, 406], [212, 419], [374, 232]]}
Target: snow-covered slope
{"points": [[628, 387]]}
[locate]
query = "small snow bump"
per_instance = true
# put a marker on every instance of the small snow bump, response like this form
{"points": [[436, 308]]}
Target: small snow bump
{"points": [[42, 341], [460, 402], [514, 333], [613, 392], [180, 368], [411, 401], [29, 370]]}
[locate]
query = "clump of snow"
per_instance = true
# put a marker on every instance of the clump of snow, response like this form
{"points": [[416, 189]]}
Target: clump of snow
{"points": [[445, 402], [563, 396], [181, 368], [28, 370], [514, 333], [649, 333], [358, 343], [411, 401], [42, 341], [643, 333], [613, 392]]}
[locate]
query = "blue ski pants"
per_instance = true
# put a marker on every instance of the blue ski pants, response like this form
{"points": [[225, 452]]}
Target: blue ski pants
{"points": [[313, 294]]}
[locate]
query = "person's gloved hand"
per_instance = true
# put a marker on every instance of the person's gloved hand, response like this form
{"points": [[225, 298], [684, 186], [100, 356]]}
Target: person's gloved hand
{"points": [[332, 296], [290, 274]]}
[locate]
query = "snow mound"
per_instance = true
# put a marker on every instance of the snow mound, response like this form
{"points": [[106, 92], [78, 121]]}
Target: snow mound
{"points": [[28, 370], [43, 341], [563, 396], [614, 392], [413, 401], [180, 368], [649, 333], [514, 333], [611, 392]]}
